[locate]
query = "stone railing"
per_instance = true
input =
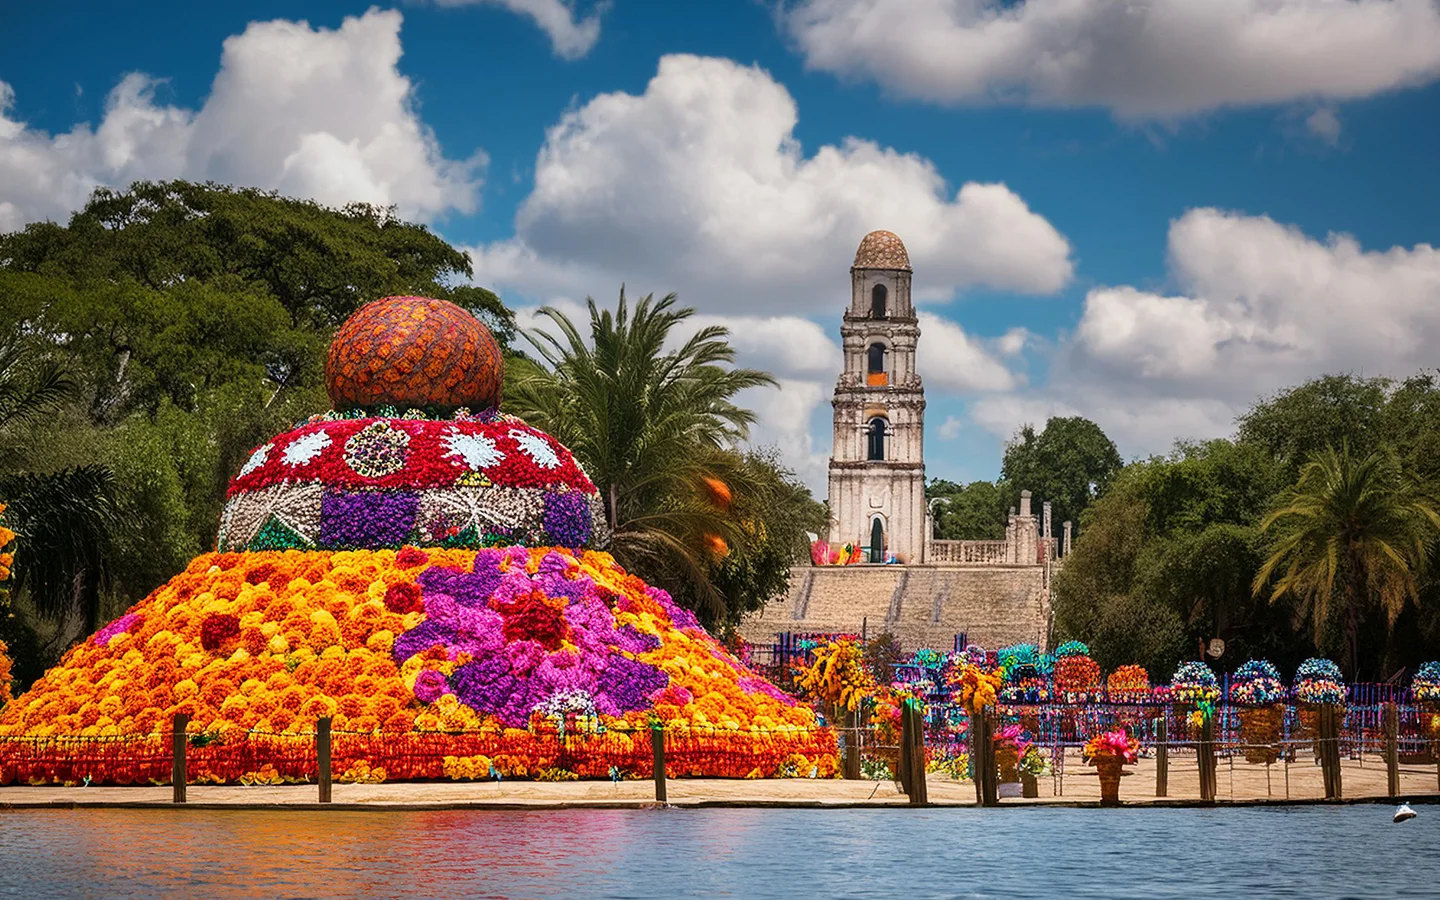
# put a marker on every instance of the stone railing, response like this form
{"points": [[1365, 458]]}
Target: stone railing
{"points": [[968, 553]]}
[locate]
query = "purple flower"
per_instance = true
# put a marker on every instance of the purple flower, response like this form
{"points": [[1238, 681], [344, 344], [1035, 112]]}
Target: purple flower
{"points": [[366, 519], [629, 683], [105, 635], [430, 685], [421, 638], [566, 519]]}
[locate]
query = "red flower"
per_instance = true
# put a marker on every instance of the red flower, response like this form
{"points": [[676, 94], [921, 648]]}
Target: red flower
{"points": [[217, 629], [410, 557], [403, 597]]}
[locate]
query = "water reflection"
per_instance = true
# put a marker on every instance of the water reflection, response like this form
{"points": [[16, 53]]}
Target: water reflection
{"points": [[1301, 852]]}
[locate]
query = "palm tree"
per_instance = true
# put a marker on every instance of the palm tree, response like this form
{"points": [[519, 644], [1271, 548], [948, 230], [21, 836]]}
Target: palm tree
{"points": [[1350, 531], [64, 518], [649, 424]]}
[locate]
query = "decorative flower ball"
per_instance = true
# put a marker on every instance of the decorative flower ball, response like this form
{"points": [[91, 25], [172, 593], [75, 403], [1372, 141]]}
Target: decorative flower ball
{"points": [[1319, 681], [1128, 684], [1427, 682], [1257, 683], [1071, 648], [414, 352], [1194, 682]]}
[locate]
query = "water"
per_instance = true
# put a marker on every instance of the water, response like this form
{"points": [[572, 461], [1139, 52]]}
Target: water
{"points": [[1311, 852]]}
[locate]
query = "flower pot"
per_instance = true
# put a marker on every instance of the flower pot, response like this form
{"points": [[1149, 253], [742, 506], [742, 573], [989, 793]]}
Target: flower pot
{"points": [[1261, 726], [1029, 786], [1109, 768]]}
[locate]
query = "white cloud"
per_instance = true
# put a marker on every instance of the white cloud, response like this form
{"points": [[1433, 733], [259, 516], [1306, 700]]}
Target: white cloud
{"points": [[784, 422], [570, 37], [1259, 307], [698, 185], [313, 112], [1139, 58], [950, 428], [1324, 124], [951, 360]]}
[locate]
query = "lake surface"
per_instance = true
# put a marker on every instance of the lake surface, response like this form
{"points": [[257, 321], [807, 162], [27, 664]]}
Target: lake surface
{"points": [[1018, 854]]}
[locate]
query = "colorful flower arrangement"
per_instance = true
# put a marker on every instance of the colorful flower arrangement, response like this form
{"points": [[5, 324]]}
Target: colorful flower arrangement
{"points": [[1426, 684], [1111, 745], [1319, 681], [974, 688], [1194, 682], [1071, 648], [1128, 684], [1077, 677], [1256, 683], [368, 483], [836, 675], [461, 652]]}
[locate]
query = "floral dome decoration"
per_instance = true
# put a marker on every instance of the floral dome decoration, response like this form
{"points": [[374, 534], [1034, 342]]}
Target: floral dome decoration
{"points": [[414, 352], [372, 477], [1128, 684], [1257, 683], [1319, 681], [1194, 682], [1427, 683], [427, 578]]}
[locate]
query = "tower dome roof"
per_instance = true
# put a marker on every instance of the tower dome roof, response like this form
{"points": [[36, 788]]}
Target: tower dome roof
{"points": [[881, 250]]}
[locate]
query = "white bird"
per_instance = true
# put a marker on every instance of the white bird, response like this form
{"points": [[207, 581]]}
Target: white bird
{"points": [[1403, 812]]}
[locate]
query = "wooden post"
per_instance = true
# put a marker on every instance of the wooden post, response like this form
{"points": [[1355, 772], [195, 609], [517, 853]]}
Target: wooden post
{"points": [[918, 793], [903, 759], [1162, 757], [851, 758], [657, 744], [178, 777], [1329, 737], [982, 758], [322, 755], [1206, 752], [1392, 749]]}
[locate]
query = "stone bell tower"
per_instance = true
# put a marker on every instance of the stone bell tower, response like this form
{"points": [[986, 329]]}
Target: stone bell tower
{"points": [[877, 468]]}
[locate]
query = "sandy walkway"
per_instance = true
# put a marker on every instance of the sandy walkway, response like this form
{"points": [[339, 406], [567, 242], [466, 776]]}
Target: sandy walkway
{"points": [[1240, 782]]}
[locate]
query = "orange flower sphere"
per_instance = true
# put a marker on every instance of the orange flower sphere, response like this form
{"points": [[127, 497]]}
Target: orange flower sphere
{"points": [[414, 352]]}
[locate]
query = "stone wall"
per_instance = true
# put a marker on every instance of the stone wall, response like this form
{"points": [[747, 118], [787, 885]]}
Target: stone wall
{"points": [[923, 606]]}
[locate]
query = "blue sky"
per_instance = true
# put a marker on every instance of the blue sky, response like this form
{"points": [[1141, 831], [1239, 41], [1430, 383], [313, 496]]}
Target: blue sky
{"points": [[1148, 218]]}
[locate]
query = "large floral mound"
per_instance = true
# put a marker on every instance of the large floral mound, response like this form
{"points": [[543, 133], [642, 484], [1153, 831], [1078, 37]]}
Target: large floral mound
{"points": [[399, 566], [428, 658]]}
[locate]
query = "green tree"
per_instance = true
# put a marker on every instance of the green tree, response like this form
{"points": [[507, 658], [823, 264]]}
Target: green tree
{"points": [[1350, 534], [977, 511], [1070, 464], [647, 424]]}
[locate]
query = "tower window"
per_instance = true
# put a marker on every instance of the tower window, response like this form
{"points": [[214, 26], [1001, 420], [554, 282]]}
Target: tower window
{"points": [[875, 368], [875, 439], [877, 301], [877, 541]]}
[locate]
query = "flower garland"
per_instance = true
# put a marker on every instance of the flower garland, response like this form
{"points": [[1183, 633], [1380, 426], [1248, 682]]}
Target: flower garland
{"points": [[1427, 683], [1256, 683], [1194, 682], [1319, 681]]}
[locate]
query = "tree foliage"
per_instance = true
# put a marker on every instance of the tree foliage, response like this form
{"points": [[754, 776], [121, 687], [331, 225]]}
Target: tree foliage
{"points": [[1070, 463], [655, 430], [1350, 534], [977, 511]]}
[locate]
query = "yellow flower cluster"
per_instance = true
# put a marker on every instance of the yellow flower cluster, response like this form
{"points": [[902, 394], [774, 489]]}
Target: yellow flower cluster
{"points": [[468, 768], [837, 675]]}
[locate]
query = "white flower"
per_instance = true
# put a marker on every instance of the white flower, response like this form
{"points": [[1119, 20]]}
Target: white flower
{"points": [[476, 450], [305, 448], [256, 460], [537, 448]]}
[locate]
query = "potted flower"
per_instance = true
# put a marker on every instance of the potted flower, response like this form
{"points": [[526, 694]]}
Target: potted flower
{"points": [[1011, 744], [1191, 687], [1318, 682], [1257, 690], [1426, 688], [1109, 753], [1032, 766]]}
